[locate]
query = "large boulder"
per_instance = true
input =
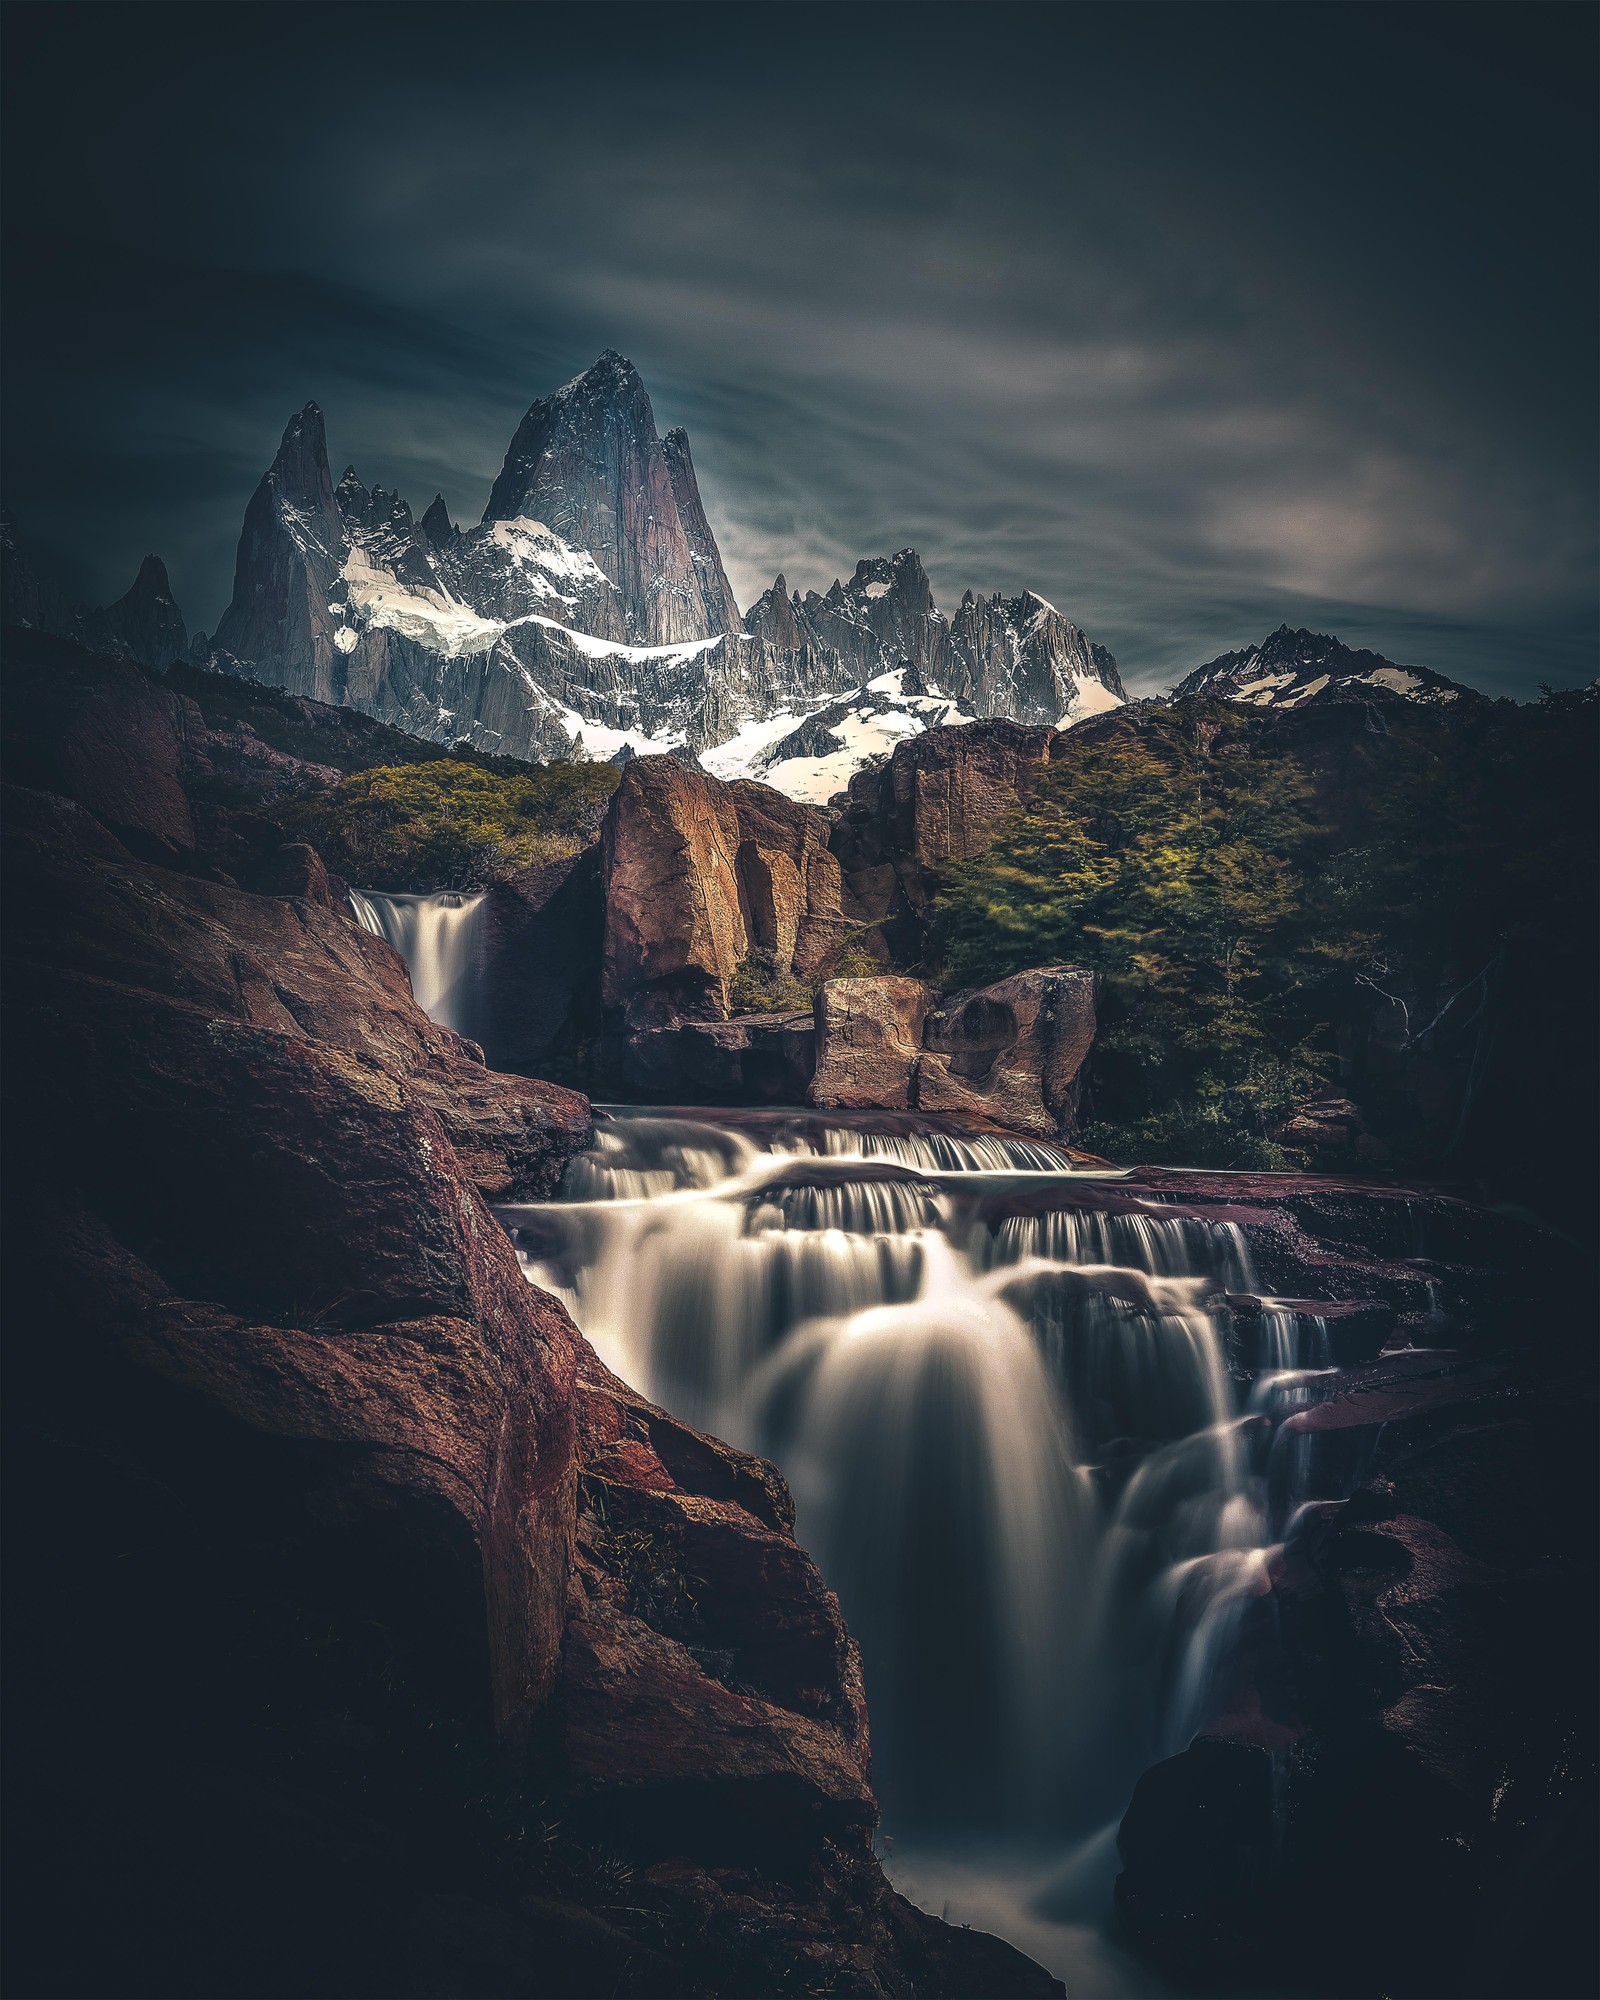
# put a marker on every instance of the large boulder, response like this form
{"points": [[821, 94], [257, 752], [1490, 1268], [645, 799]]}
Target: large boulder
{"points": [[697, 878], [1014, 1051], [674, 929], [541, 966], [869, 1043]]}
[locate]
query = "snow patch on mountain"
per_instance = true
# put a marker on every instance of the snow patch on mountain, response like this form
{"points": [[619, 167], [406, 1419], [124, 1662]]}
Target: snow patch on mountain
{"points": [[1290, 668]]}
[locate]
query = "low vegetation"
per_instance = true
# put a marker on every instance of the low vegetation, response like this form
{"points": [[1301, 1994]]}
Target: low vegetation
{"points": [[448, 824], [1253, 914]]}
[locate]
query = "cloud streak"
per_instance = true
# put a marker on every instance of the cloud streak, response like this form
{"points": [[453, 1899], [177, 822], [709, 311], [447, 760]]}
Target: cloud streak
{"points": [[1194, 319]]}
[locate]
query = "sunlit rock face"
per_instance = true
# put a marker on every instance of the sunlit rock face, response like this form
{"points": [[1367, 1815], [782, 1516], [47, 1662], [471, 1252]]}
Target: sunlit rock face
{"points": [[589, 614], [1290, 669]]}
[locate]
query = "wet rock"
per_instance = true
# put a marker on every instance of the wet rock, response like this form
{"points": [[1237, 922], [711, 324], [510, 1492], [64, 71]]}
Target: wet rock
{"points": [[869, 1042], [1013, 1051], [1195, 1844], [753, 1059]]}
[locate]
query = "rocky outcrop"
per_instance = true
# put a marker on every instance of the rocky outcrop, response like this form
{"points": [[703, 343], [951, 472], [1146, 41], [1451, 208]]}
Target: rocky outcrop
{"points": [[696, 879], [1377, 1748], [751, 1059], [790, 886], [1012, 1053], [869, 1043], [443, 1662], [674, 930], [541, 966]]}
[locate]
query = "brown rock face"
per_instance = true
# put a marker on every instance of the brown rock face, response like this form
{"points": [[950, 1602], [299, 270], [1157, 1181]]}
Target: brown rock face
{"points": [[1014, 1050], [674, 931], [541, 972], [869, 1043], [753, 1059], [695, 875], [789, 880]]}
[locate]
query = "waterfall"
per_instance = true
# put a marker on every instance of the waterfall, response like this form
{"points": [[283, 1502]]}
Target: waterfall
{"points": [[1001, 1391], [439, 937]]}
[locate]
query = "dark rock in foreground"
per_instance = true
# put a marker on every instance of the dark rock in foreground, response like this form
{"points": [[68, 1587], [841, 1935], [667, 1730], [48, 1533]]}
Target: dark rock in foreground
{"points": [[1398, 1794], [366, 1637]]}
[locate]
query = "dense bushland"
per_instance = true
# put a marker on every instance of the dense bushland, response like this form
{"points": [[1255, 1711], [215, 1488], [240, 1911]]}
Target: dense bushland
{"points": [[1272, 919]]}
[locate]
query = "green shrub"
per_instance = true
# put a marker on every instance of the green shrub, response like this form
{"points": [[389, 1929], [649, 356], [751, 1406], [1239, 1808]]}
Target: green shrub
{"points": [[758, 987], [446, 824], [855, 961]]}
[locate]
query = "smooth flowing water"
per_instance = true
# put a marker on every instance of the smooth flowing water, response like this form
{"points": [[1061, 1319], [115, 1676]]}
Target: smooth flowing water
{"points": [[438, 936], [1016, 1447]]}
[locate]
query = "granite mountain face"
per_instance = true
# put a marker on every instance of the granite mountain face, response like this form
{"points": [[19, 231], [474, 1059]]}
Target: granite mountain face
{"points": [[589, 614]]}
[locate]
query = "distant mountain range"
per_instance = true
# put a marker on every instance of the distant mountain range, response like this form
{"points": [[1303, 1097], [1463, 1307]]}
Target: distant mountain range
{"points": [[1289, 669], [589, 614]]}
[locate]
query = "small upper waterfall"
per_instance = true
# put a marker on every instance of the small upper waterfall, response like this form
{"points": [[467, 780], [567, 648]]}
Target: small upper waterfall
{"points": [[1005, 1404], [439, 937]]}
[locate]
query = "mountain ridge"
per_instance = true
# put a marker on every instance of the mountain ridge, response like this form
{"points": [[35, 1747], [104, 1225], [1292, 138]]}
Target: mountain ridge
{"points": [[1294, 665], [589, 614]]}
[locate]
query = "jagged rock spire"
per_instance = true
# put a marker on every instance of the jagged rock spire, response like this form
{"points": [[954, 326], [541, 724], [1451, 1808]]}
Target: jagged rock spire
{"points": [[587, 462]]}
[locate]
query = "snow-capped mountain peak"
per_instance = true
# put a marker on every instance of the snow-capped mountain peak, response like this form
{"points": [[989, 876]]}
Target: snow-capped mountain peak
{"points": [[1293, 667], [589, 613]]}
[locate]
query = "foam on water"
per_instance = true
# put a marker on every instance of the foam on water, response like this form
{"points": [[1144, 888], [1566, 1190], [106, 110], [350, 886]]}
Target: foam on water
{"points": [[1017, 1446]]}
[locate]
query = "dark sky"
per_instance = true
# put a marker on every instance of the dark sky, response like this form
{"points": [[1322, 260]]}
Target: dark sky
{"points": [[1194, 318]]}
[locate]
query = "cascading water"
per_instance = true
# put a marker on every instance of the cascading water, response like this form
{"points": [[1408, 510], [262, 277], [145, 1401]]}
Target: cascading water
{"points": [[1016, 1445], [438, 936]]}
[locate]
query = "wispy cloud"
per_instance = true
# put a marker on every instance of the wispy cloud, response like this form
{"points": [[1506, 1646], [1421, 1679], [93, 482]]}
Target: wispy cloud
{"points": [[1113, 303]]}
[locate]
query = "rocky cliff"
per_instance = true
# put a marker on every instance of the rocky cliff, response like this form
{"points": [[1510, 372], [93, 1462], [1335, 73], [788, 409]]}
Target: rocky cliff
{"points": [[366, 1636]]}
